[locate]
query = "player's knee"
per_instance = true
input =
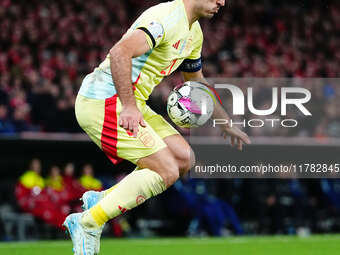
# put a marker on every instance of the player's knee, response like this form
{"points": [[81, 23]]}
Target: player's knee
{"points": [[187, 162], [164, 163], [192, 160], [170, 176]]}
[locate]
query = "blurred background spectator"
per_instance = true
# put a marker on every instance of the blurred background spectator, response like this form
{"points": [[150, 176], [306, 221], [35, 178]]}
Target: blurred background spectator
{"points": [[73, 188], [47, 49], [30, 184], [52, 198], [87, 180], [40, 200]]}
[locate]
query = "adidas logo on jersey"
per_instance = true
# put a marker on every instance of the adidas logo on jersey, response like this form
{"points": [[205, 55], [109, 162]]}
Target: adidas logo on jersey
{"points": [[175, 45], [122, 209]]}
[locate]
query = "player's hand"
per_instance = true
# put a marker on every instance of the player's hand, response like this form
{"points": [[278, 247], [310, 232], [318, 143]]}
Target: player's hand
{"points": [[130, 118], [237, 136]]}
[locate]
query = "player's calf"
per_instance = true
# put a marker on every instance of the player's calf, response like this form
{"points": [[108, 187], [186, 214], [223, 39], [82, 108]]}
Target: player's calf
{"points": [[163, 163], [157, 172]]}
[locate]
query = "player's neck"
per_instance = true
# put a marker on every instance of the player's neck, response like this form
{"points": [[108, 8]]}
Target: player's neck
{"points": [[190, 10]]}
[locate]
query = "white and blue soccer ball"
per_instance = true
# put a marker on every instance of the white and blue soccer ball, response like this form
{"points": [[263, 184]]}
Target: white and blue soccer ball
{"points": [[191, 104]]}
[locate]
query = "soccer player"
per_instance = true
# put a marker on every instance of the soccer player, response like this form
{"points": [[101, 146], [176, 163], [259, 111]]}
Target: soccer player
{"points": [[111, 109]]}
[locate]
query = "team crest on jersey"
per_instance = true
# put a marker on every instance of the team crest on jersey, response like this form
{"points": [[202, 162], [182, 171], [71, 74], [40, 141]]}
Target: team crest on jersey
{"points": [[147, 139], [140, 199], [156, 30]]}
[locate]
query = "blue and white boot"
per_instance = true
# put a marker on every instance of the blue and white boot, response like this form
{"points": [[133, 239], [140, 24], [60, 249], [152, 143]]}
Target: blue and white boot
{"points": [[84, 239], [91, 198]]}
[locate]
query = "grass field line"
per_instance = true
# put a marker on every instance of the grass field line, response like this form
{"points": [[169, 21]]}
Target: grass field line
{"points": [[179, 241]]}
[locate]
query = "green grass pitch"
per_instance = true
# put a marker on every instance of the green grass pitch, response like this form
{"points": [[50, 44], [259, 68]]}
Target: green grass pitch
{"points": [[278, 245]]}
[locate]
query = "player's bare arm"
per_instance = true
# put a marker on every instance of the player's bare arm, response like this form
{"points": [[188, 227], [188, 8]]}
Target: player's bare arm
{"points": [[121, 54], [237, 136]]}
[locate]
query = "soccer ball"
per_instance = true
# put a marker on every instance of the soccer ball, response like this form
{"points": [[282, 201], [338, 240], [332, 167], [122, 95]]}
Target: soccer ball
{"points": [[190, 104]]}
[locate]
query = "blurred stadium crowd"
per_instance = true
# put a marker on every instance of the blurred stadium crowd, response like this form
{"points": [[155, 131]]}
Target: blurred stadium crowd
{"points": [[47, 47], [42, 197], [52, 198], [192, 207]]}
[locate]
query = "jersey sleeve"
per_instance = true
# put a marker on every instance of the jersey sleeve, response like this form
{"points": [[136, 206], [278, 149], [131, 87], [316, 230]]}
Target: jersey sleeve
{"points": [[197, 43], [152, 26], [193, 62]]}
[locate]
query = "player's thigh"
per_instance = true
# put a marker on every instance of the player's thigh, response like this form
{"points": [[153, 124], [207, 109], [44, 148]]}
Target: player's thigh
{"points": [[99, 119], [158, 123], [178, 146]]}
